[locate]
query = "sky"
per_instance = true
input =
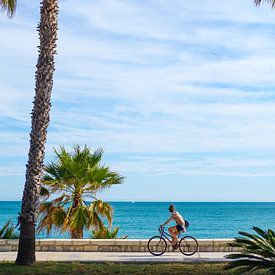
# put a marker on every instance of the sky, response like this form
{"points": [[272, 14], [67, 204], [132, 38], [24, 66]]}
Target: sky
{"points": [[180, 94]]}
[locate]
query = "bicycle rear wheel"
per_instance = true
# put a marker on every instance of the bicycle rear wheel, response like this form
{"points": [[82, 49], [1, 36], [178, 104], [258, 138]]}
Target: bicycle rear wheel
{"points": [[157, 245], [188, 246]]}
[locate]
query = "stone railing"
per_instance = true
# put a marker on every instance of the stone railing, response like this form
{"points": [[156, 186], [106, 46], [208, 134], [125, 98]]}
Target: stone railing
{"points": [[116, 245]]}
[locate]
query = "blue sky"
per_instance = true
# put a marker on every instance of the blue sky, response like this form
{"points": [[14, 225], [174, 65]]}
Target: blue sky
{"points": [[181, 95]]}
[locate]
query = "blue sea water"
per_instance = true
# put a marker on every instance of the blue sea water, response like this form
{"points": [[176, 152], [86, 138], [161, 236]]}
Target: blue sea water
{"points": [[207, 219]]}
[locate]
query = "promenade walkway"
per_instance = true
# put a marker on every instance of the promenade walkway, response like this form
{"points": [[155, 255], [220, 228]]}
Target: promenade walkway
{"points": [[135, 257]]}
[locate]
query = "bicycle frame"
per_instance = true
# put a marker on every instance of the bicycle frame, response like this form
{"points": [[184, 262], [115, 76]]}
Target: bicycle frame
{"points": [[166, 235]]}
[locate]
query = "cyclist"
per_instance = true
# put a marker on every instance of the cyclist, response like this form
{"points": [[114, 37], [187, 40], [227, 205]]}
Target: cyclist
{"points": [[175, 230]]}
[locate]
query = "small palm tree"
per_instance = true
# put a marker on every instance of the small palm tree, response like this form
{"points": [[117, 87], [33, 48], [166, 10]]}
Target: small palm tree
{"points": [[258, 2], [258, 251], [74, 177]]}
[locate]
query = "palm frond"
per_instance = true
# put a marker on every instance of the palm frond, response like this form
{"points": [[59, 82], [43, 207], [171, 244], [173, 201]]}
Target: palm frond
{"points": [[59, 217], [52, 215], [96, 221], [258, 2], [106, 233], [45, 220], [79, 218], [8, 6], [114, 232], [103, 209], [258, 251], [4, 228], [44, 193], [8, 231], [100, 178], [96, 157]]}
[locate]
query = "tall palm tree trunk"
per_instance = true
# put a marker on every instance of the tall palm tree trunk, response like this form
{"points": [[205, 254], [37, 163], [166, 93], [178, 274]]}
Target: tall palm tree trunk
{"points": [[77, 234], [47, 29]]}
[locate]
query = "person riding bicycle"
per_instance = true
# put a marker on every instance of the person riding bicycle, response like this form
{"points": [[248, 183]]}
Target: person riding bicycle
{"points": [[175, 230]]}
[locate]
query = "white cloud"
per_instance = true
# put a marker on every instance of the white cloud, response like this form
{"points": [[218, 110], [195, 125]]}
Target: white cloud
{"points": [[152, 77], [194, 165]]}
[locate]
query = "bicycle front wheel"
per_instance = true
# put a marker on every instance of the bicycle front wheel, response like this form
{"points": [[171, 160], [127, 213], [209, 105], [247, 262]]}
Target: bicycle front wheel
{"points": [[188, 246], [157, 245]]}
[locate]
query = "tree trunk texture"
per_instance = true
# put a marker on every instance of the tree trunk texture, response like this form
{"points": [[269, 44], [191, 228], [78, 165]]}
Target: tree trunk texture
{"points": [[77, 234], [47, 29]]}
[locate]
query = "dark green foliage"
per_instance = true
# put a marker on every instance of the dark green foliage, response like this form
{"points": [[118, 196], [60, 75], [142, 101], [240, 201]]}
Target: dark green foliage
{"points": [[258, 252], [8, 231]]}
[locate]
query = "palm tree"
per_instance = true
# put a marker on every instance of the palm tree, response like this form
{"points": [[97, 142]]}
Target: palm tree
{"points": [[70, 179], [258, 252], [258, 2], [47, 29]]}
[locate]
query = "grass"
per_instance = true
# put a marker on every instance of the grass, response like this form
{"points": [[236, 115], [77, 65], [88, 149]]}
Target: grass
{"points": [[113, 268]]}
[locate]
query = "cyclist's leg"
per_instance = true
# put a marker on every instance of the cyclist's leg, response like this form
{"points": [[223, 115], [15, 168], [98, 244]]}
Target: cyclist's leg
{"points": [[174, 233]]}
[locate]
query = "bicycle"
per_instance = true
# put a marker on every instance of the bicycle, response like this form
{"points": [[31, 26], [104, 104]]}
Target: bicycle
{"points": [[157, 245]]}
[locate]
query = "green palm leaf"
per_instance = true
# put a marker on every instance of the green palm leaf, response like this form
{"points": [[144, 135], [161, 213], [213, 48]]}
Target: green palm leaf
{"points": [[79, 218], [106, 233], [258, 251], [44, 192], [8, 231], [4, 228], [59, 216], [114, 232]]}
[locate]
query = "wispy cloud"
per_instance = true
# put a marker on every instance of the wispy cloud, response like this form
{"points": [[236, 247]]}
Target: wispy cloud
{"points": [[208, 164], [150, 77]]}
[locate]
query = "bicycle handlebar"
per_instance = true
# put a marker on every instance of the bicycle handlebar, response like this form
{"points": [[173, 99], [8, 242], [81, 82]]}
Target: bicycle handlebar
{"points": [[161, 229]]}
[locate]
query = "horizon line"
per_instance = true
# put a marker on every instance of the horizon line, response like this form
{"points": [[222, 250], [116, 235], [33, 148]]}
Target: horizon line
{"points": [[141, 201]]}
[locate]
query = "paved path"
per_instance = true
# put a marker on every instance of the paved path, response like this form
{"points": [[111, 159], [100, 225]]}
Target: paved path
{"points": [[136, 257]]}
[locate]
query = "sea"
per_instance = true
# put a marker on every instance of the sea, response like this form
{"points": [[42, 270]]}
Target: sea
{"points": [[141, 220]]}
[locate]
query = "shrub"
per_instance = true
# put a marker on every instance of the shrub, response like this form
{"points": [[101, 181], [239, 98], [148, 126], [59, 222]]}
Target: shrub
{"points": [[258, 252]]}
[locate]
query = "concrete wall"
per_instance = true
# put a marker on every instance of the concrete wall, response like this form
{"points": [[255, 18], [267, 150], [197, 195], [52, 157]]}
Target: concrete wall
{"points": [[119, 245]]}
